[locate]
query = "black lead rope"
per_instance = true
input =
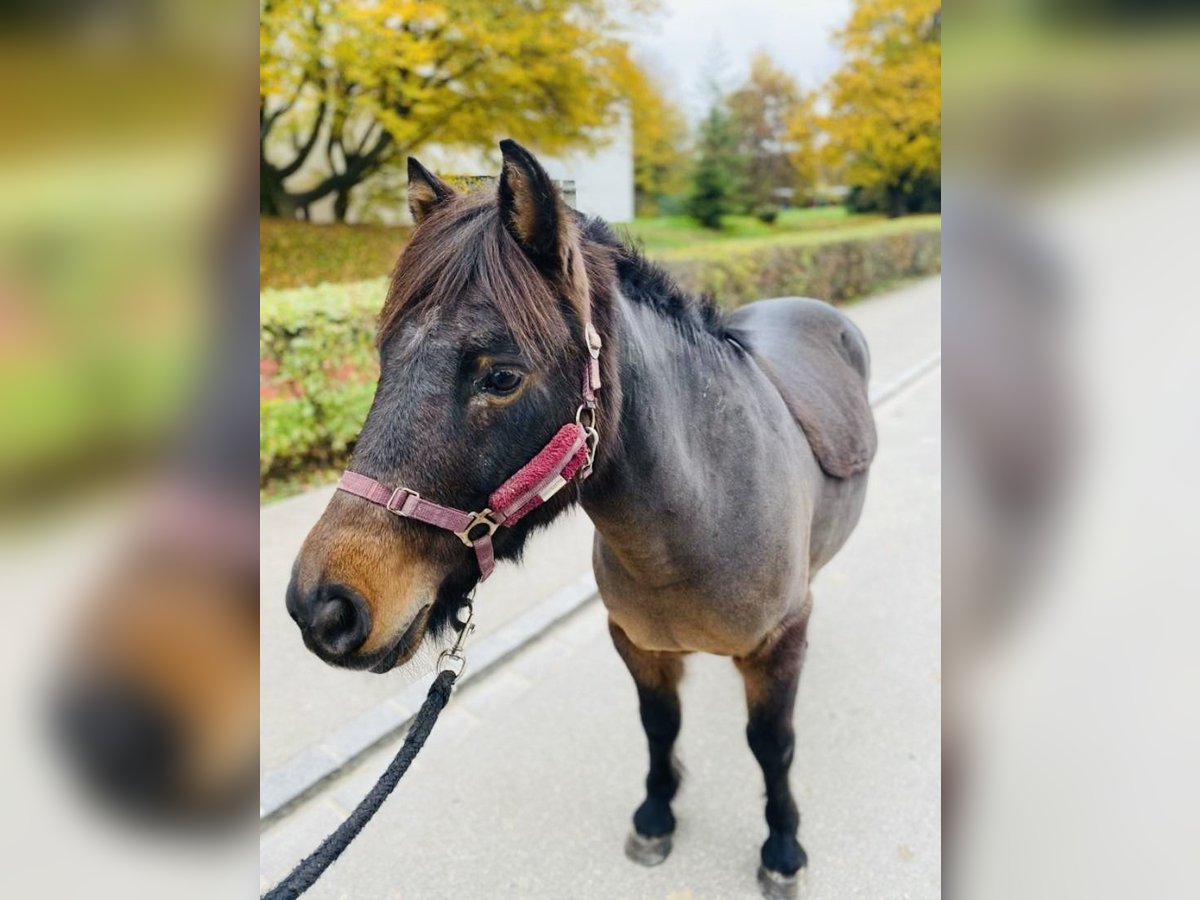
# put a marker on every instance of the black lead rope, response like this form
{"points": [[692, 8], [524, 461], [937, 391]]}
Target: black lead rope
{"points": [[312, 867]]}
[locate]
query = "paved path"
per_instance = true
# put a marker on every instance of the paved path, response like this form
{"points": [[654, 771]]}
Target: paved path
{"points": [[527, 785]]}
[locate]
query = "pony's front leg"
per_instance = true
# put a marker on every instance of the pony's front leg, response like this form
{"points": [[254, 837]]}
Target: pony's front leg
{"points": [[657, 677], [771, 674]]}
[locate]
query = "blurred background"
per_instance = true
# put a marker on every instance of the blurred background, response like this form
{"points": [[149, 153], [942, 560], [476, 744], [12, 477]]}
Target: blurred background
{"points": [[1070, 725], [128, 514]]}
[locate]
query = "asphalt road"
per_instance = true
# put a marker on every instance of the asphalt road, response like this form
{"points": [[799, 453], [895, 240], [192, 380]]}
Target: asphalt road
{"points": [[526, 787]]}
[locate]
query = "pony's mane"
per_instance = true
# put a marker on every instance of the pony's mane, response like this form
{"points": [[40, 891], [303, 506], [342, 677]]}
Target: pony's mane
{"points": [[649, 284]]}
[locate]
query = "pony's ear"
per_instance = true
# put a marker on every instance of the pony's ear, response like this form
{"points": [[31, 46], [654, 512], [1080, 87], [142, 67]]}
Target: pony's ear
{"points": [[426, 192], [532, 208]]}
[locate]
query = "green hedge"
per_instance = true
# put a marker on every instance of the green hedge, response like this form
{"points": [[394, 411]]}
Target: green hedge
{"points": [[319, 366], [317, 344], [827, 267]]}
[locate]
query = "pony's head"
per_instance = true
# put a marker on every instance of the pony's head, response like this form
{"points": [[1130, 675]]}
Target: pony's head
{"points": [[481, 346]]}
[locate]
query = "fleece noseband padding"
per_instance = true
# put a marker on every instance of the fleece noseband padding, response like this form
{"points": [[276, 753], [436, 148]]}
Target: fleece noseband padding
{"points": [[540, 478]]}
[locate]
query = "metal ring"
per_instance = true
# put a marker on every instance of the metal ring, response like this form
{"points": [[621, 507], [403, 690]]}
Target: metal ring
{"points": [[445, 666], [477, 518]]}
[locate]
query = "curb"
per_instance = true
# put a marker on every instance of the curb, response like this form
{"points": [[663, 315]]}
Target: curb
{"points": [[904, 379], [282, 788]]}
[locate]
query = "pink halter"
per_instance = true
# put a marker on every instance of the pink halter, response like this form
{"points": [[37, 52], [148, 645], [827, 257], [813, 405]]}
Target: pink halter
{"points": [[571, 452]]}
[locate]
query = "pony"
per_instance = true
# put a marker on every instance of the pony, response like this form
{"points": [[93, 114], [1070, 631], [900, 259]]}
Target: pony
{"points": [[726, 463]]}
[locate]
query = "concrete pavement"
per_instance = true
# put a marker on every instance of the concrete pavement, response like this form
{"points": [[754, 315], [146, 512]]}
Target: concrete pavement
{"points": [[527, 785]]}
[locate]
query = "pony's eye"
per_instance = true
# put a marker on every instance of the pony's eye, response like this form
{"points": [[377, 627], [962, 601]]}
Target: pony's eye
{"points": [[501, 381]]}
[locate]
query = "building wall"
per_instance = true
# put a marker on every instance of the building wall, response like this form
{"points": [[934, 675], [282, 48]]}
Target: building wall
{"points": [[604, 177]]}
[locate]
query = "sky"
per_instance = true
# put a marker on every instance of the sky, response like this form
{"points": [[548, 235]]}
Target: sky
{"points": [[681, 42]]}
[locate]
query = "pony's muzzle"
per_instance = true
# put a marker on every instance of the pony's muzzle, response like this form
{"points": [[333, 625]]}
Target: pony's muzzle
{"points": [[333, 618]]}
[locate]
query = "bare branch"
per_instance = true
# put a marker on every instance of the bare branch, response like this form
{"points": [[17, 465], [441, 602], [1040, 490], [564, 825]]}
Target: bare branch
{"points": [[302, 154]]}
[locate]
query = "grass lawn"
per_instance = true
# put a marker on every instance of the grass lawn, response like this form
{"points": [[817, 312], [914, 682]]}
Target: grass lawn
{"points": [[679, 232], [848, 228], [300, 254]]}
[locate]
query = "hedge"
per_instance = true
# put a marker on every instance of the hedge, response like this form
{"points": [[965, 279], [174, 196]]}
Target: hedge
{"points": [[825, 266], [318, 371], [317, 344]]}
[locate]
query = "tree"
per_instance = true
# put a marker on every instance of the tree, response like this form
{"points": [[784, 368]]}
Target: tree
{"points": [[885, 118], [803, 147], [716, 178], [348, 86], [660, 138], [762, 109]]}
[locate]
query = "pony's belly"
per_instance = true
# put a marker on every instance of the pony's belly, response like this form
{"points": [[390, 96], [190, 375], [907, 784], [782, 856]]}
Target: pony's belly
{"points": [[684, 622]]}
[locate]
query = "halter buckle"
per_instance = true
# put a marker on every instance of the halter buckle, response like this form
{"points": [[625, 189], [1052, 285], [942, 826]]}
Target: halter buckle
{"points": [[406, 506], [478, 518]]}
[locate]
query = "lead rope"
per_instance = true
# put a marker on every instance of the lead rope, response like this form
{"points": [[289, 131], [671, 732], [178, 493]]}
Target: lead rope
{"points": [[451, 664]]}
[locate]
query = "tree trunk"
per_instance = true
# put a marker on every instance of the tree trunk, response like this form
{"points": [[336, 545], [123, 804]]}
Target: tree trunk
{"points": [[273, 199], [341, 204], [267, 199]]}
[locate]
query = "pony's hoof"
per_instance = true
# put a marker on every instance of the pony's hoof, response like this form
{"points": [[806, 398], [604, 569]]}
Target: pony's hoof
{"points": [[647, 851], [777, 886]]}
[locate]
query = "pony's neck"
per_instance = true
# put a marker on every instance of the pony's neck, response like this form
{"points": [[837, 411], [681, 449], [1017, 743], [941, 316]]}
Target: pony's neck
{"points": [[660, 470]]}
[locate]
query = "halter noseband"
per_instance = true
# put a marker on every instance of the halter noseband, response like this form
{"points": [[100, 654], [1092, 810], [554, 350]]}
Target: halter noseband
{"points": [[571, 452]]}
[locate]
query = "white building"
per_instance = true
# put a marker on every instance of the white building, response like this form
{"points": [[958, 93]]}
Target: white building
{"points": [[603, 178]]}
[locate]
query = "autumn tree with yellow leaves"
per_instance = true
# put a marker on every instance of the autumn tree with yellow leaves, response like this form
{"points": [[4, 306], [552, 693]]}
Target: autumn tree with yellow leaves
{"points": [[762, 109], [802, 138], [883, 126], [660, 144], [347, 87]]}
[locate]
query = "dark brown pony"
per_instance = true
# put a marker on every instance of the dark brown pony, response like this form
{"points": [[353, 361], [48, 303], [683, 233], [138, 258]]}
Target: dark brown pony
{"points": [[731, 464]]}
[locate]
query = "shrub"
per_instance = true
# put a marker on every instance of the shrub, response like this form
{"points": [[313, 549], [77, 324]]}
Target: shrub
{"points": [[319, 366], [767, 214], [833, 270], [923, 195]]}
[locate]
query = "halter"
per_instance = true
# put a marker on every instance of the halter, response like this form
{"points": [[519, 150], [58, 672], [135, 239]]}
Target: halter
{"points": [[571, 452]]}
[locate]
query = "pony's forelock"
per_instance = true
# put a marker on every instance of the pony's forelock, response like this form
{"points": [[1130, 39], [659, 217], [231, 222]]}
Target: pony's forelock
{"points": [[463, 246]]}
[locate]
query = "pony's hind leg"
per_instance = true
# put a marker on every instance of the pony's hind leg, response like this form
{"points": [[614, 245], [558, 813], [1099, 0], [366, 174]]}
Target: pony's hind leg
{"points": [[657, 677], [771, 674]]}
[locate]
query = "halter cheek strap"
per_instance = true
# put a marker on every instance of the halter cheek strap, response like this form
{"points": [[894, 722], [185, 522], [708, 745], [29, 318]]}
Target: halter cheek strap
{"points": [[570, 453]]}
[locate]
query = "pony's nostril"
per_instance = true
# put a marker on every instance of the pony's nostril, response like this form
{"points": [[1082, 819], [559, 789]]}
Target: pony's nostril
{"points": [[340, 624]]}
